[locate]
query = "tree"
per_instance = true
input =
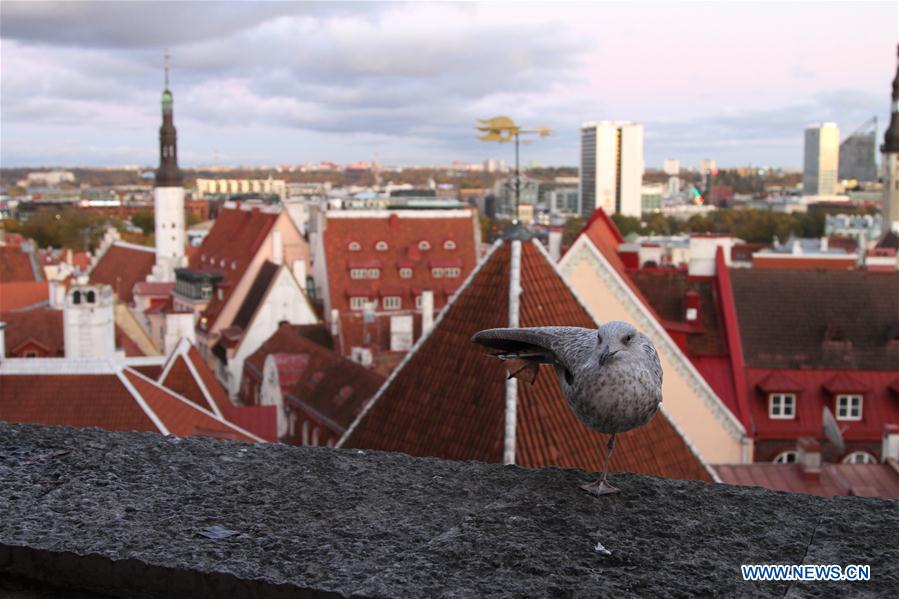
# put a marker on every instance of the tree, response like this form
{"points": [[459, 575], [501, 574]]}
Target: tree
{"points": [[144, 220], [571, 230], [627, 224]]}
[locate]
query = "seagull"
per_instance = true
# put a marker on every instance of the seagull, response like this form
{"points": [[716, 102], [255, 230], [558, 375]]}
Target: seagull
{"points": [[611, 376]]}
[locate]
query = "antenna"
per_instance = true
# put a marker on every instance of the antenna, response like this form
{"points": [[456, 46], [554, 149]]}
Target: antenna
{"points": [[166, 67]]}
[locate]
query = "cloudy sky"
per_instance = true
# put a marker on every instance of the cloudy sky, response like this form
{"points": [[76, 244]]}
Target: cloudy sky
{"points": [[294, 82]]}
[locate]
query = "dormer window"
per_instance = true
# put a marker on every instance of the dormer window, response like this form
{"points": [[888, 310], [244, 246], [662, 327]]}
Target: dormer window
{"points": [[374, 273], [849, 407], [449, 244], [382, 246], [859, 457], [437, 273], [354, 246], [405, 273], [782, 406], [785, 457], [452, 272], [424, 246]]}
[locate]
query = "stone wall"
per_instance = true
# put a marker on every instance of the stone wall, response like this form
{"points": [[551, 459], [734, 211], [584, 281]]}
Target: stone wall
{"points": [[122, 514]]}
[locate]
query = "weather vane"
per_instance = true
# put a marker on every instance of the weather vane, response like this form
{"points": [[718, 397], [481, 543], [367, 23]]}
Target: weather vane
{"points": [[502, 129]]}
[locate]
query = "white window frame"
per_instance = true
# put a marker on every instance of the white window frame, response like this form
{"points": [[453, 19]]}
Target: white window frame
{"points": [[392, 302], [358, 303], [358, 273], [786, 457], [452, 272], [373, 273], [449, 244], [844, 404], [424, 246], [405, 272], [779, 404], [437, 273], [382, 246], [859, 457], [354, 246]]}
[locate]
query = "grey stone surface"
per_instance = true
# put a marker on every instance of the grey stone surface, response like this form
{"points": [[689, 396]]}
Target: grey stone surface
{"points": [[120, 514]]}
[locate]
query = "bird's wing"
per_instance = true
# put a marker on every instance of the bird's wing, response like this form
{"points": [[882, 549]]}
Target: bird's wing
{"points": [[565, 346]]}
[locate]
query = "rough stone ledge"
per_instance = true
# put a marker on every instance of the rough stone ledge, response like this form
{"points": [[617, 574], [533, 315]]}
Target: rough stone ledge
{"points": [[119, 514]]}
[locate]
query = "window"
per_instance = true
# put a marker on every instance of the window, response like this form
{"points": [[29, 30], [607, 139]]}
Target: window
{"points": [[849, 407], [29, 354], [354, 246], [358, 303], [382, 246], [405, 273], [859, 457], [782, 406], [424, 246], [91, 297], [393, 302], [437, 273], [418, 302], [357, 273], [76, 297], [449, 244], [785, 457], [374, 273], [452, 273]]}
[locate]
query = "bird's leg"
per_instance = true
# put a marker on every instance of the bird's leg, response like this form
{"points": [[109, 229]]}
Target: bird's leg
{"points": [[602, 487]]}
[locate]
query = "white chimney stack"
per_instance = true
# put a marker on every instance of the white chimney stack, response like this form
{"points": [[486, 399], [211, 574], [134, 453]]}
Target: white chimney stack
{"points": [[555, 242], [57, 295], [277, 248], [890, 441], [299, 273], [335, 322], [809, 457], [89, 322], [427, 311]]}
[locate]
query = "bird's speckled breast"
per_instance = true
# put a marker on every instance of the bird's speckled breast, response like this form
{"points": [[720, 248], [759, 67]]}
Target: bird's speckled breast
{"points": [[617, 400]]}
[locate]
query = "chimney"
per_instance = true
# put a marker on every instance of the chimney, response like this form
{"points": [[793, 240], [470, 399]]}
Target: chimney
{"points": [[89, 322], [69, 256], [809, 457], [824, 244], [277, 248], [299, 273], [335, 322], [2, 340], [57, 295], [691, 306], [555, 242], [427, 311], [890, 441]]}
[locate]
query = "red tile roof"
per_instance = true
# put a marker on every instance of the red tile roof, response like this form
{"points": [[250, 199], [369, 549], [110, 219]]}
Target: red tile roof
{"points": [[865, 480], [403, 233], [42, 326], [179, 415], [447, 399], [228, 250], [16, 265], [21, 294], [72, 400], [784, 315], [289, 338], [122, 266], [189, 376]]}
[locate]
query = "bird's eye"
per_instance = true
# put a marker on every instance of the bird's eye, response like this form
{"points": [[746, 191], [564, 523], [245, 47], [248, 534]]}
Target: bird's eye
{"points": [[627, 339]]}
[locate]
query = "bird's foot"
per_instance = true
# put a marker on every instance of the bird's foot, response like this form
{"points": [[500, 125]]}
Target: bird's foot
{"points": [[600, 488]]}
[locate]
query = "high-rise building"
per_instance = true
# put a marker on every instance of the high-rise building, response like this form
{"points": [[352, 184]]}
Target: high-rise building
{"points": [[168, 196], [611, 169], [890, 151], [858, 153], [672, 169], [822, 157]]}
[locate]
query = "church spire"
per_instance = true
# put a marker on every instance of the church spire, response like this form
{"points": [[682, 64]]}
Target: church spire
{"points": [[168, 174], [891, 137]]}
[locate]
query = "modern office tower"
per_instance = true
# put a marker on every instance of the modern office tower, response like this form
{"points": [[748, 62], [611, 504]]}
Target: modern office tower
{"points": [[611, 169], [822, 157], [858, 153], [672, 169], [168, 196], [890, 151]]}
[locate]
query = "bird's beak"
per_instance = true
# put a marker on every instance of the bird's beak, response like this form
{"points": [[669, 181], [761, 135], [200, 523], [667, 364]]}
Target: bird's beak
{"points": [[606, 355]]}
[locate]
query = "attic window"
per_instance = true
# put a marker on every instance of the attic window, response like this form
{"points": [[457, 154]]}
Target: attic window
{"points": [[785, 457], [382, 246], [449, 244], [859, 457], [424, 246], [849, 407], [354, 246]]}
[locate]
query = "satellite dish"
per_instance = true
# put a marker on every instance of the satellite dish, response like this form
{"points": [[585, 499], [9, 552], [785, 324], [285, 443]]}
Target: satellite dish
{"points": [[832, 430]]}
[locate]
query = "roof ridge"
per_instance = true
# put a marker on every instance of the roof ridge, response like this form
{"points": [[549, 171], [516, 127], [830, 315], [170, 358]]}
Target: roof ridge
{"points": [[141, 402], [418, 344], [133, 246], [199, 380]]}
